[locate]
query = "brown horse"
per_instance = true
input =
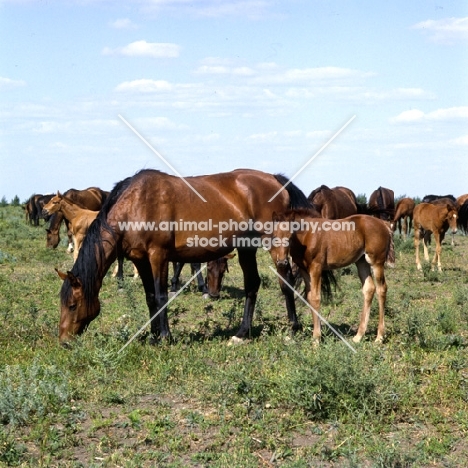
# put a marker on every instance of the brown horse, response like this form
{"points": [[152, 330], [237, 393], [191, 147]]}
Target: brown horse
{"points": [[335, 203], [360, 239], [79, 218], [404, 211], [237, 209], [441, 200], [433, 218], [91, 198], [32, 215], [382, 204], [211, 286]]}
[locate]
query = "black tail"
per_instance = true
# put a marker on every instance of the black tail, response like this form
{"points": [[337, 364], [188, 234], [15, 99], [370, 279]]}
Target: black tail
{"points": [[328, 282], [462, 222], [297, 199]]}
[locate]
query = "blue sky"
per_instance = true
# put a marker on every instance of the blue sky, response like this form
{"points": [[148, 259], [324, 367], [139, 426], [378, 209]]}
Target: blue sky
{"points": [[214, 86]]}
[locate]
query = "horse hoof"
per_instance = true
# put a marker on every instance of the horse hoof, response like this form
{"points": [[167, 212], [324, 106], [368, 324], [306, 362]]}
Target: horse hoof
{"points": [[236, 341], [206, 296], [171, 294], [357, 339]]}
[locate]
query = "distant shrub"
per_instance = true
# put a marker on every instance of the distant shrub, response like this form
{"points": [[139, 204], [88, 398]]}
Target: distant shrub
{"points": [[3, 202], [15, 201]]}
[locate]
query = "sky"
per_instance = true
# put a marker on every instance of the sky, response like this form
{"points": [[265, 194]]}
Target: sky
{"points": [[355, 93]]}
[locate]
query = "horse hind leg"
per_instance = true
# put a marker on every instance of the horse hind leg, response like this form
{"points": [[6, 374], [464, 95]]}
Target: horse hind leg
{"points": [[368, 290], [379, 275]]}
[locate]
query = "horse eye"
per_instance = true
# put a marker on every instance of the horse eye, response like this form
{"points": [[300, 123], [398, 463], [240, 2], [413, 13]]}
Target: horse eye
{"points": [[72, 307]]}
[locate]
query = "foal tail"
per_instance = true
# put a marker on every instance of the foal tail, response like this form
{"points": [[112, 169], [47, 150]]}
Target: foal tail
{"points": [[390, 259]]}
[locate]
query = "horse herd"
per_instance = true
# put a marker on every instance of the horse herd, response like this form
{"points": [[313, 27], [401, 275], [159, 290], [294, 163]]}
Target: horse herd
{"points": [[250, 205]]}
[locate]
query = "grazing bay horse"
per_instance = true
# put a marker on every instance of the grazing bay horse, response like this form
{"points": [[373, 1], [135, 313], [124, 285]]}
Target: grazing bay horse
{"points": [[382, 204], [79, 218], [363, 240], [335, 203], [404, 211], [433, 218], [91, 198], [237, 208], [211, 286], [32, 214]]}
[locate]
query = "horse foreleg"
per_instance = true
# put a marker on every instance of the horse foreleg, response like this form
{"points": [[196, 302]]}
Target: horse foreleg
{"points": [[177, 266], [438, 238], [368, 290], [379, 275], [405, 228], [196, 267], [248, 263], [417, 235], [157, 298], [313, 290], [286, 282]]}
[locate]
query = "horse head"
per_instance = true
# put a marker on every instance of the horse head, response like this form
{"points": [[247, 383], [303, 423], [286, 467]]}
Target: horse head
{"points": [[452, 217], [53, 206], [216, 270], [77, 311], [279, 250]]}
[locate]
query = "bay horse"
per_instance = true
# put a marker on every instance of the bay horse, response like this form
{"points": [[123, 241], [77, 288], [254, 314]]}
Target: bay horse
{"points": [[436, 219], [91, 198], [404, 211], [382, 204], [32, 214], [361, 239], [238, 199], [211, 285], [334, 203]]}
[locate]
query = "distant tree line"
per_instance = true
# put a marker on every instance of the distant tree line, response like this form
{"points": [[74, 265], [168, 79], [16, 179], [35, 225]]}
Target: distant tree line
{"points": [[14, 202]]}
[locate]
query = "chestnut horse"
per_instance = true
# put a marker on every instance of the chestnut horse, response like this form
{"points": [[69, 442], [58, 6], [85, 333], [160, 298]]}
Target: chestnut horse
{"points": [[239, 200], [441, 200], [361, 239], [404, 211], [91, 198], [335, 203], [433, 218], [382, 204], [79, 218]]}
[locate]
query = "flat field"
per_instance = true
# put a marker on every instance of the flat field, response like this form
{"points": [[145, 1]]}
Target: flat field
{"points": [[275, 401]]}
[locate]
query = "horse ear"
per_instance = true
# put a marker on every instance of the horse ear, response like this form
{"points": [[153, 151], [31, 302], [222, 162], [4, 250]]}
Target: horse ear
{"points": [[74, 280], [62, 275]]}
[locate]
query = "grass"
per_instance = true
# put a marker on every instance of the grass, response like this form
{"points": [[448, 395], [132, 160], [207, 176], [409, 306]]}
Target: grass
{"points": [[275, 401]]}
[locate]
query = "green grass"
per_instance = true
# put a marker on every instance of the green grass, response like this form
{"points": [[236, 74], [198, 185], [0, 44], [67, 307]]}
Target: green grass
{"points": [[275, 401]]}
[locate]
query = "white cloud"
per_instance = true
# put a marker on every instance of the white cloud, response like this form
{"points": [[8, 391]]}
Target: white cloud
{"points": [[145, 49], [416, 115], [461, 141], [445, 31], [8, 83], [144, 86], [123, 23]]}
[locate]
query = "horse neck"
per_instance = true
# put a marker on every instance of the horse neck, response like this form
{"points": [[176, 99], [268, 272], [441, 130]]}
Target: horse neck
{"points": [[69, 209]]}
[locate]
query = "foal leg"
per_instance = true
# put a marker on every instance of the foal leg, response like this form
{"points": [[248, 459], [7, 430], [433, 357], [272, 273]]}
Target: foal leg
{"points": [[379, 275], [368, 289], [438, 238], [313, 289], [417, 236]]}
